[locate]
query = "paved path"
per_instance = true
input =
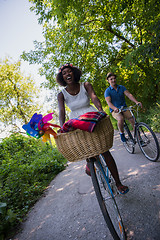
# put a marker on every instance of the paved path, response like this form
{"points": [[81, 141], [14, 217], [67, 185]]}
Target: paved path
{"points": [[69, 210]]}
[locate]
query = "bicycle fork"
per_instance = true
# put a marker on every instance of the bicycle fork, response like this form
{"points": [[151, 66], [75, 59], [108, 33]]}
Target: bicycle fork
{"points": [[129, 133]]}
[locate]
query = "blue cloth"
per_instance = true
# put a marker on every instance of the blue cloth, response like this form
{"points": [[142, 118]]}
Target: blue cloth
{"points": [[117, 97]]}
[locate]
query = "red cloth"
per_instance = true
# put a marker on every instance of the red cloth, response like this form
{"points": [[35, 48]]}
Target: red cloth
{"points": [[85, 122]]}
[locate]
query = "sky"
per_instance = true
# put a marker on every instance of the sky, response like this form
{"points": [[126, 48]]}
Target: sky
{"points": [[18, 29]]}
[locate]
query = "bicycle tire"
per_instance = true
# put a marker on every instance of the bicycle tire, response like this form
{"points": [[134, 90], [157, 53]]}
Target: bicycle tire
{"points": [[107, 204], [129, 144], [147, 142]]}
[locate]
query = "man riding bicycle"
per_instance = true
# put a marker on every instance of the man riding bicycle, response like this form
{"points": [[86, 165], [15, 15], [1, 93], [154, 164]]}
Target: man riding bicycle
{"points": [[115, 98]]}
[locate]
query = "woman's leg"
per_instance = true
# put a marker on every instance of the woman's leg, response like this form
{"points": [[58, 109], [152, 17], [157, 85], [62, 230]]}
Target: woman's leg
{"points": [[114, 171], [87, 168]]}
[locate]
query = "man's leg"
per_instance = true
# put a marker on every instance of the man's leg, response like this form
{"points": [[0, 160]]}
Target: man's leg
{"points": [[132, 121], [120, 122], [129, 117]]}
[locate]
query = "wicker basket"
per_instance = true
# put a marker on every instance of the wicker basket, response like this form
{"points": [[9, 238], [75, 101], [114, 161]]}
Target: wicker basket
{"points": [[78, 145]]}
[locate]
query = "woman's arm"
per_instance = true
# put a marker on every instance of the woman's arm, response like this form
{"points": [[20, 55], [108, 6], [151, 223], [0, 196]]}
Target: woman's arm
{"points": [[92, 95], [61, 107]]}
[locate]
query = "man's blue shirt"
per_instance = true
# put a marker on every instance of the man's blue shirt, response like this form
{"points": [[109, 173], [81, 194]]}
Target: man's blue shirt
{"points": [[117, 97]]}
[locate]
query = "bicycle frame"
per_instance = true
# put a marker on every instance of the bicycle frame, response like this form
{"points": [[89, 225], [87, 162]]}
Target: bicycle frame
{"points": [[105, 193], [106, 176], [144, 135], [134, 136]]}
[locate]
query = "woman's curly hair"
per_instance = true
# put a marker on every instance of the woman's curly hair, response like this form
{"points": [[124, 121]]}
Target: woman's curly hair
{"points": [[76, 71]]}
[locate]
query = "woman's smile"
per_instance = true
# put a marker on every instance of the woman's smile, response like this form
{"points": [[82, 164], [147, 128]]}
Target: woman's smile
{"points": [[68, 78], [68, 75]]}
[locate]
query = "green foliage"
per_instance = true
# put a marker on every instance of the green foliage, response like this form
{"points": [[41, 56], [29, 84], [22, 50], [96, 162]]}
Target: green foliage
{"points": [[113, 120], [17, 100], [151, 117], [27, 167], [100, 36]]}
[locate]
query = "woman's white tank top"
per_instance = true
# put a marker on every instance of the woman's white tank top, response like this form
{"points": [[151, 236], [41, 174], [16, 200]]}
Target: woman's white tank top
{"points": [[78, 104]]}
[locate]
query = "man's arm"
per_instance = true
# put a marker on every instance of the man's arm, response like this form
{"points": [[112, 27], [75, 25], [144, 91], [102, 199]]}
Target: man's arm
{"points": [[132, 98], [110, 104]]}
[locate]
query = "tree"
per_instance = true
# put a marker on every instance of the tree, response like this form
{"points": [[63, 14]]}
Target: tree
{"points": [[17, 102], [101, 36]]}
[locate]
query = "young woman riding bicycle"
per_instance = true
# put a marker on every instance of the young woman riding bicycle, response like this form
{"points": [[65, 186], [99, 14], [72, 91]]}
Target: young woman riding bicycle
{"points": [[77, 97]]}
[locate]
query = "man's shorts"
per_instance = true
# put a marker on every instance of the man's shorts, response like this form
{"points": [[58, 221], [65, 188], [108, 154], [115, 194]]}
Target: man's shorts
{"points": [[126, 115]]}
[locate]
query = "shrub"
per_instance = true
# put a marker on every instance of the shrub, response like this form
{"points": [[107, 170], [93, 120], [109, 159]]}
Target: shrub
{"points": [[27, 167], [151, 117]]}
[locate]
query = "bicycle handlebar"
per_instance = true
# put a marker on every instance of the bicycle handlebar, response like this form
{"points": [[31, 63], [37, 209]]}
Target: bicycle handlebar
{"points": [[123, 109]]}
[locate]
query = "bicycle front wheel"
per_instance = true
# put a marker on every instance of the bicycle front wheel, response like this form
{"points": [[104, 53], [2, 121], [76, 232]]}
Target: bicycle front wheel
{"points": [[147, 141], [106, 200], [129, 144]]}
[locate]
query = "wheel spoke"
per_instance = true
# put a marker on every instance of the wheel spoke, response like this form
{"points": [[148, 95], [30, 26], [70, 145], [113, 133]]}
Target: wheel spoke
{"points": [[148, 142], [107, 202], [129, 144]]}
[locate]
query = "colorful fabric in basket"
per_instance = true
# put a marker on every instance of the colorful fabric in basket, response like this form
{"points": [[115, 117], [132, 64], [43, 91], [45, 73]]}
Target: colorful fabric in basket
{"points": [[85, 122]]}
